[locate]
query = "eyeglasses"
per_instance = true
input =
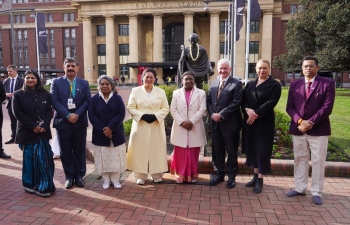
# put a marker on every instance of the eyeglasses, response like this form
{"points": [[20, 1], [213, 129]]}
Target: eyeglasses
{"points": [[310, 66]]}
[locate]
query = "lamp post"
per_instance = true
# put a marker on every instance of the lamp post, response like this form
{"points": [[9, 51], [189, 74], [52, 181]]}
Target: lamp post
{"points": [[37, 44]]}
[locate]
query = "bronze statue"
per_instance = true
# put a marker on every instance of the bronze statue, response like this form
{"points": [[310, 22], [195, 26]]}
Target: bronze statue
{"points": [[194, 59]]}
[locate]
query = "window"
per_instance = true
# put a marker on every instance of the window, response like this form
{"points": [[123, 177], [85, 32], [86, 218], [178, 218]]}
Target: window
{"points": [[73, 51], [296, 75], [101, 50], [20, 53], [72, 33], [289, 75], [124, 71], [293, 9], [26, 53], [52, 34], [101, 30], [50, 18], [124, 49], [102, 69], [71, 17], [222, 27], [65, 17], [25, 35], [23, 18], [252, 71], [222, 48], [19, 35], [254, 47], [18, 19], [52, 53], [66, 33], [255, 26], [67, 52], [123, 29]]}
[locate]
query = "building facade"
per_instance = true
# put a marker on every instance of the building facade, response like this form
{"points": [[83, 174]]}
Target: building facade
{"points": [[119, 37]]}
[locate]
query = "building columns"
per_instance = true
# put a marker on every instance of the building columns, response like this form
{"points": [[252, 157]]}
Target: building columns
{"points": [[266, 40], [158, 42], [214, 54], [133, 45], [88, 52], [110, 45], [188, 29]]}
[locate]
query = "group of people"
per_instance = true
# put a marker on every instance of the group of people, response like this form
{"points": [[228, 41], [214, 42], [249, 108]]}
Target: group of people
{"points": [[310, 103]]}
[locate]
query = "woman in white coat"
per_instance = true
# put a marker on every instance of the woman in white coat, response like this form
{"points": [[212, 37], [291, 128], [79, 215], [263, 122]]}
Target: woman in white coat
{"points": [[188, 135], [147, 153]]}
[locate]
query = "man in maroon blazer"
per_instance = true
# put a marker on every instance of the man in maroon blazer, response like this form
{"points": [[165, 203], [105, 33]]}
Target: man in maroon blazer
{"points": [[310, 102]]}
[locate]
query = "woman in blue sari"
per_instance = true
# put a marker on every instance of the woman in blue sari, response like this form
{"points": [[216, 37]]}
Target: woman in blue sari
{"points": [[32, 108]]}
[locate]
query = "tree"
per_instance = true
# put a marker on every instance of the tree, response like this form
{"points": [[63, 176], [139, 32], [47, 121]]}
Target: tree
{"points": [[320, 28]]}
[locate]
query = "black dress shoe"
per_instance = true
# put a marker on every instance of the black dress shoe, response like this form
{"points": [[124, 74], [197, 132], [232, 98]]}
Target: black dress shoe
{"points": [[4, 155], [253, 181], [216, 179], [69, 183], [79, 182], [10, 141], [231, 183], [258, 186]]}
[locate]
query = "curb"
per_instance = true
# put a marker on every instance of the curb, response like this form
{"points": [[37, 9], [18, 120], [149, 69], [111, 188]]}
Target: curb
{"points": [[278, 167]]}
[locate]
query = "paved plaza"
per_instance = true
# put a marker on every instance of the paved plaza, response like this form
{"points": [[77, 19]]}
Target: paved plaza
{"points": [[166, 203]]}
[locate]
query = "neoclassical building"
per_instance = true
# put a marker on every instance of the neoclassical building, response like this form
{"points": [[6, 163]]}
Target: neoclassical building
{"points": [[118, 37], [121, 36]]}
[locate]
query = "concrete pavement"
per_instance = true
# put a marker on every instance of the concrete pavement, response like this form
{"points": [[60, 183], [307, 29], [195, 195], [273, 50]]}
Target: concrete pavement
{"points": [[166, 203]]}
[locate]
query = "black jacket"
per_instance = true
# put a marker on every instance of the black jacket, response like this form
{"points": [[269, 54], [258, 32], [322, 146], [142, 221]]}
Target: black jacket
{"points": [[29, 108], [109, 115]]}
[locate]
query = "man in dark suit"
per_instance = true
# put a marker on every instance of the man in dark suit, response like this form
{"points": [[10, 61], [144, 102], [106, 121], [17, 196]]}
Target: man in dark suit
{"points": [[223, 103], [70, 96], [310, 102], [2, 98], [12, 84]]}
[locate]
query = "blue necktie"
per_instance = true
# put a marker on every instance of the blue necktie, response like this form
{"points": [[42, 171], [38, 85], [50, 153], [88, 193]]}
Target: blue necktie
{"points": [[12, 85]]}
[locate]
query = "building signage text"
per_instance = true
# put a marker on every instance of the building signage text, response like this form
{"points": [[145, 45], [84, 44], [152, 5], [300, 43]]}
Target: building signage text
{"points": [[163, 5]]}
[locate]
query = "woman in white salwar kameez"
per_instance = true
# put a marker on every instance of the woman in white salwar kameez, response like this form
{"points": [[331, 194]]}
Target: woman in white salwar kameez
{"points": [[106, 114]]}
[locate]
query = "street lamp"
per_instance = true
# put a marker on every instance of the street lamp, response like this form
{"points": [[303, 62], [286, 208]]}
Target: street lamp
{"points": [[37, 44]]}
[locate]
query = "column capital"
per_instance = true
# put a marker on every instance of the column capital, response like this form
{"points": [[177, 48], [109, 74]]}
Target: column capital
{"points": [[267, 12], [214, 13], [109, 16], [85, 17], [157, 15], [134, 16], [188, 14]]}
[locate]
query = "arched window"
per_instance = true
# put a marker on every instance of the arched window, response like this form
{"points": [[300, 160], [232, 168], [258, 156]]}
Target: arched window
{"points": [[173, 39]]}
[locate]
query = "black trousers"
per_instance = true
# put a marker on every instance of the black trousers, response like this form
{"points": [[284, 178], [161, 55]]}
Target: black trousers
{"points": [[73, 151], [13, 120], [223, 142]]}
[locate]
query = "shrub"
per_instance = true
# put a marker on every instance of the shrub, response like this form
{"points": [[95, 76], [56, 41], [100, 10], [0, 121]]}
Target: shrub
{"points": [[127, 127]]}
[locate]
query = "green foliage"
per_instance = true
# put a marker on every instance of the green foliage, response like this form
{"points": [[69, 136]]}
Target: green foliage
{"points": [[127, 127], [283, 146], [321, 28]]}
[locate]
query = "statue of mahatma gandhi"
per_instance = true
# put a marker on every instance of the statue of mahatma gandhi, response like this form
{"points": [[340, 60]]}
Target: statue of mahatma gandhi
{"points": [[194, 59]]}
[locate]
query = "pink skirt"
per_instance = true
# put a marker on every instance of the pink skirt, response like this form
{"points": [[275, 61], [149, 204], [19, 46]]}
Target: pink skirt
{"points": [[184, 164]]}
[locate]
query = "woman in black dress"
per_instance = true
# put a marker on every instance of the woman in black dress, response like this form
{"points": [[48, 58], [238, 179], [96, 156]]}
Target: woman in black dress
{"points": [[259, 98]]}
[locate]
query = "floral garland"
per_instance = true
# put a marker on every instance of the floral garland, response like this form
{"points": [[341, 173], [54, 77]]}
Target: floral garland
{"points": [[197, 52]]}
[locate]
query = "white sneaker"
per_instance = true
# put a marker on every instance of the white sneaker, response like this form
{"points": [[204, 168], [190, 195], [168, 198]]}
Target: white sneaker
{"points": [[106, 184], [157, 180], [117, 185], [140, 181]]}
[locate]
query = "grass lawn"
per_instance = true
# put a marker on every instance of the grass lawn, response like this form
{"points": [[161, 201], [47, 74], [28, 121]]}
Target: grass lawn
{"points": [[340, 118]]}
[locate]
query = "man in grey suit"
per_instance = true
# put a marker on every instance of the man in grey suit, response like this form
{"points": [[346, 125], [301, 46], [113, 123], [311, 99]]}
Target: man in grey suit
{"points": [[70, 97], [223, 103], [12, 84], [310, 102]]}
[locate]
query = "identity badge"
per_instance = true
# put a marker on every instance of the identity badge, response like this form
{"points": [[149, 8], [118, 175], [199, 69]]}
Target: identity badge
{"points": [[71, 104]]}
